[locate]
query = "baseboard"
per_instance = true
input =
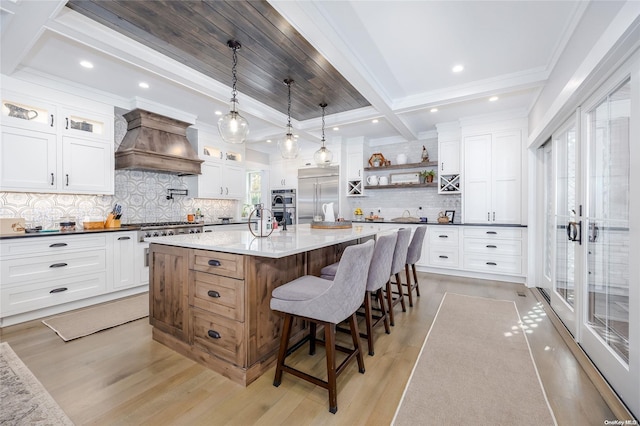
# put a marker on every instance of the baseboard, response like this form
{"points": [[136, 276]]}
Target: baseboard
{"points": [[610, 397]]}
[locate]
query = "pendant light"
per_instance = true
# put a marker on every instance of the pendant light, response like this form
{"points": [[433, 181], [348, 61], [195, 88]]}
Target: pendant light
{"points": [[233, 127], [289, 145], [323, 156]]}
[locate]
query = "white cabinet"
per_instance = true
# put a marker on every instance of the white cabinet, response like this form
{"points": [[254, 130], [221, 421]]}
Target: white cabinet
{"points": [[495, 250], [492, 178], [443, 246], [223, 172], [283, 174], [354, 169], [449, 167], [56, 149], [123, 250]]}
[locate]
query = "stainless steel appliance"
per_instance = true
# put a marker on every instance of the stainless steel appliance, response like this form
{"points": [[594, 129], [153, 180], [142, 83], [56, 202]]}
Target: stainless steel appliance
{"points": [[284, 201], [161, 229], [317, 186]]}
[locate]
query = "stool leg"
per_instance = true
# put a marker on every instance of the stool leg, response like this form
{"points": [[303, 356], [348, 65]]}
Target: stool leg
{"points": [[406, 272], [282, 352], [368, 321], [355, 336], [312, 338], [400, 292], [390, 303], [330, 347], [415, 279], [384, 311]]}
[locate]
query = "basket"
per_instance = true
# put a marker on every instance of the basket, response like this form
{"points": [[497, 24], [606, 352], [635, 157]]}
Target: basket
{"points": [[93, 225]]}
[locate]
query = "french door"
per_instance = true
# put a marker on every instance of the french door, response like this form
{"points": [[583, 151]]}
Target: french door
{"points": [[590, 209]]}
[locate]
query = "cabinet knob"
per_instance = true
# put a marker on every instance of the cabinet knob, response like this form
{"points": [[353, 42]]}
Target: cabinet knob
{"points": [[213, 334], [213, 293]]}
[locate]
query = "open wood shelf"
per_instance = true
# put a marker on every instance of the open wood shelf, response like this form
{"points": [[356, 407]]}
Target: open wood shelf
{"points": [[404, 166], [402, 185]]}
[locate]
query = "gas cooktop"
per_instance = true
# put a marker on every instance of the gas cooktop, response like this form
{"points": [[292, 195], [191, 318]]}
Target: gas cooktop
{"points": [[158, 225]]}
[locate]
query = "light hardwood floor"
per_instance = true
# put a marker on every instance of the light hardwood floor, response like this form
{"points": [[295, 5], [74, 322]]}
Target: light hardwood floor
{"points": [[122, 377]]}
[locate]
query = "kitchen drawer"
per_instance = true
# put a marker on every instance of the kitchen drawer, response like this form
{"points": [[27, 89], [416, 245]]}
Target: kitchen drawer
{"points": [[217, 294], [493, 246], [444, 257], [51, 267], [493, 232], [46, 245], [511, 265], [29, 297], [218, 336], [225, 264], [441, 236]]}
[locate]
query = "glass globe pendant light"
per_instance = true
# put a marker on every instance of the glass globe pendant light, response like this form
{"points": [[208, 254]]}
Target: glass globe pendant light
{"points": [[233, 127], [289, 145], [323, 156]]}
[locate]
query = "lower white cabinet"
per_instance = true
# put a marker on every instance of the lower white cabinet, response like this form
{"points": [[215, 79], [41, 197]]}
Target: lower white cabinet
{"points": [[443, 246], [42, 275]]}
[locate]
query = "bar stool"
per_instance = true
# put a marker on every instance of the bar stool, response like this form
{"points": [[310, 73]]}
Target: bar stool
{"points": [[327, 303], [379, 273], [413, 255], [397, 265]]}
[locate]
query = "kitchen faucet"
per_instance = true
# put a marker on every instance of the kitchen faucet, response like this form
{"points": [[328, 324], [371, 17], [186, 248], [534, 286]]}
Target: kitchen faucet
{"points": [[284, 211]]}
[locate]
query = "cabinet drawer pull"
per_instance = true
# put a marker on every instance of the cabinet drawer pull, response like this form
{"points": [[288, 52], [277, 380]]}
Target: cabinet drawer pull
{"points": [[123, 238], [443, 257], [213, 334], [67, 175], [58, 245], [443, 236], [51, 120], [58, 265], [492, 263], [213, 293], [491, 246], [52, 180], [214, 262], [67, 126], [208, 230], [492, 233], [58, 290]]}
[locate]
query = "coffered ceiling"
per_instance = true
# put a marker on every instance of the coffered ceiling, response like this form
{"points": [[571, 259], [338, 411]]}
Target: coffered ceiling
{"points": [[389, 61]]}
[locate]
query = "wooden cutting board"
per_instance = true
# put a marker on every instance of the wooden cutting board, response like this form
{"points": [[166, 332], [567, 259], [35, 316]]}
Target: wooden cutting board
{"points": [[331, 225]]}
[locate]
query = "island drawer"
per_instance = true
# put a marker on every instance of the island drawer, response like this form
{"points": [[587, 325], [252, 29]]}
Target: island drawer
{"points": [[218, 336], [217, 294], [225, 264]]}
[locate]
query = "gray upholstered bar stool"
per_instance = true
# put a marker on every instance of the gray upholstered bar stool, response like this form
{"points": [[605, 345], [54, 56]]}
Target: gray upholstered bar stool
{"points": [[379, 273], [327, 303], [413, 255], [397, 265]]}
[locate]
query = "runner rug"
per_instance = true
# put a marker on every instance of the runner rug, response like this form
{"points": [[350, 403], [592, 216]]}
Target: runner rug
{"points": [[24, 400], [100, 317], [475, 367]]}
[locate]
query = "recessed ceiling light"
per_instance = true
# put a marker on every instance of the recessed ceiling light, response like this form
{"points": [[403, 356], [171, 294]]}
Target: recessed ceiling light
{"points": [[457, 68], [143, 85], [296, 136], [374, 121], [493, 99], [335, 129], [434, 110], [86, 64], [218, 113], [268, 140]]}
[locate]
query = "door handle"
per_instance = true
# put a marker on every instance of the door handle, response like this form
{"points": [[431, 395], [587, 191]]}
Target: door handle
{"points": [[574, 231]]}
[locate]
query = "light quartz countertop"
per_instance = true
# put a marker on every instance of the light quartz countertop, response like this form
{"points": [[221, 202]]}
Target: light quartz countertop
{"points": [[296, 239]]}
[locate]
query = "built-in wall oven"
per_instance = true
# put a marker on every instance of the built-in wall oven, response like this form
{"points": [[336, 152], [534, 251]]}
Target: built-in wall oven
{"points": [[283, 205]]}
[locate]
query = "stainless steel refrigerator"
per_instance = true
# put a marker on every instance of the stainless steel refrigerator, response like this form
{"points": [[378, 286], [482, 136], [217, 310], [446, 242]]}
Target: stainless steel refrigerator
{"points": [[317, 186]]}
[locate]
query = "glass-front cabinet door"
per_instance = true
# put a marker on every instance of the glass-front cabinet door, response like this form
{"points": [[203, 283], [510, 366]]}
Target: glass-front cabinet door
{"points": [[28, 113]]}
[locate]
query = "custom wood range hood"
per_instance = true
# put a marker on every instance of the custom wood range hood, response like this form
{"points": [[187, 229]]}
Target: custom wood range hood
{"points": [[156, 143]]}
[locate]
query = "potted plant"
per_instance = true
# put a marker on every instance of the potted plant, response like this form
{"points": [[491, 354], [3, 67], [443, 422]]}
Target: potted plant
{"points": [[426, 176]]}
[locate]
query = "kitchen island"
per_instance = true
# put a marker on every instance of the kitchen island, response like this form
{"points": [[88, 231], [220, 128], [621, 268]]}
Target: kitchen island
{"points": [[209, 293]]}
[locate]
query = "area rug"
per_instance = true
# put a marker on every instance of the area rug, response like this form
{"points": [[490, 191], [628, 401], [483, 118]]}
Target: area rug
{"points": [[24, 400], [100, 317], [475, 367]]}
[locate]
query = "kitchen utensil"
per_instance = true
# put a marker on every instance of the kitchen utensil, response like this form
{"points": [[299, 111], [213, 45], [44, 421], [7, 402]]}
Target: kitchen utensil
{"points": [[329, 215], [384, 180], [372, 180]]}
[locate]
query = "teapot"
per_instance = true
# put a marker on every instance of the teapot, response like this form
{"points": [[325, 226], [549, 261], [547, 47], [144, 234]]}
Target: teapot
{"points": [[329, 215], [372, 180], [19, 112]]}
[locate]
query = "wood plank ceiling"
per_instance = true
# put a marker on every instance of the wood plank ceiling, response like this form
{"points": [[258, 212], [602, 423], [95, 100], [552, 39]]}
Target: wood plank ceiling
{"points": [[196, 33]]}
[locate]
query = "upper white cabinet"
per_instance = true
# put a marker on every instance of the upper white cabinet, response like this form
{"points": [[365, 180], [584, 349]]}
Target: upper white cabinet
{"points": [[354, 169], [223, 171], [54, 148], [283, 174], [492, 177], [449, 157]]}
